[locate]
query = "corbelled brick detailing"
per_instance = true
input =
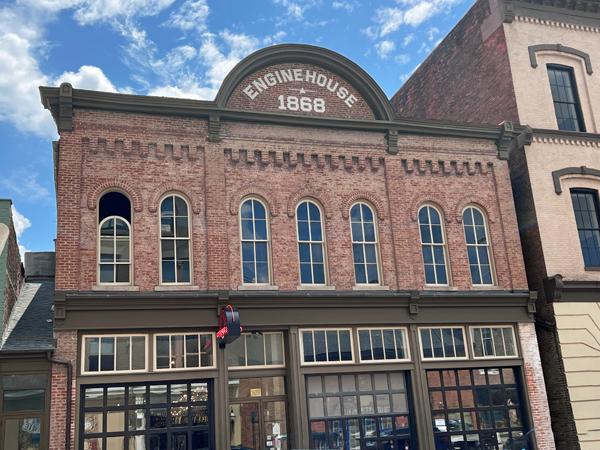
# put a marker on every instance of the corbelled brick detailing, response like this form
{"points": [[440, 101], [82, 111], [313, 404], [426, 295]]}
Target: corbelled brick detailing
{"points": [[487, 207], [441, 167], [103, 185], [434, 198], [310, 191], [178, 187], [370, 197], [160, 150], [536, 387], [578, 143], [552, 23], [253, 189]]}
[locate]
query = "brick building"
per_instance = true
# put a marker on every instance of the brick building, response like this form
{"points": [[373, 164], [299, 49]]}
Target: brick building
{"points": [[374, 262], [540, 60]]}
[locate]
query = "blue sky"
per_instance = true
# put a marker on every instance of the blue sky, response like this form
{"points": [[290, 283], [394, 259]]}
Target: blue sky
{"points": [[175, 48]]}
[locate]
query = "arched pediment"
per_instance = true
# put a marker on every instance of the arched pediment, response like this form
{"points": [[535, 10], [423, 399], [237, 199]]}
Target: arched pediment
{"points": [[264, 80]]}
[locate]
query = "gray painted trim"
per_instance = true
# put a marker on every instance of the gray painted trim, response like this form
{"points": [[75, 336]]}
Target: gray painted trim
{"points": [[556, 14], [561, 49], [559, 290], [582, 170]]}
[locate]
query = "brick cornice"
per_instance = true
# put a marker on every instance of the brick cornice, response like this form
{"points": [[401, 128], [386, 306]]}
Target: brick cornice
{"points": [[114, 183]]}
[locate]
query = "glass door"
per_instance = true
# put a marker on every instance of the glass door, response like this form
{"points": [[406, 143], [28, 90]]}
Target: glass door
{"points": [[22, 433]]}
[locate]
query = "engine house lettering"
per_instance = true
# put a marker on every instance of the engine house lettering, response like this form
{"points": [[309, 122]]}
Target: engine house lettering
{"points": [[282, 76]]}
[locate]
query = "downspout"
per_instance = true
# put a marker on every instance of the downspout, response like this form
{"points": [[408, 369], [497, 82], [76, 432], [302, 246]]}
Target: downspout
{"points": [[69, 394]]}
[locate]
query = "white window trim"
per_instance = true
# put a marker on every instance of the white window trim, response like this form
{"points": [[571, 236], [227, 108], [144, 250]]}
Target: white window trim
{"points": [[380, 361], [115, 336], [189, 239], [265, 366], [323, 241], [444, 358], [490, 252], [515, 345], [183, 369], [381, 284], [444, 245], [326, 363], [268, 241], [99, 251]]}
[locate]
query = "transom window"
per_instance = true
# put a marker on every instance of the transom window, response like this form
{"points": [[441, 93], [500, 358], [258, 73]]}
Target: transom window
{"points": [[585, 205], [184, 351], [433, 245], [326, 346], [256, 350], [114, 256], [114, 354], [380, 345], [174, 240], [478, 248], [493, 342], [566, 100], [310, 243], [255, 242], [442, 343], [364, 244]]}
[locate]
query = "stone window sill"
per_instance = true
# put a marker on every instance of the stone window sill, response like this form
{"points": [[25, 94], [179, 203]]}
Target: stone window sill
{"points": [[592, 269], [175, 288], [486, 287], [317, 287], [432, 287], [114, 288], [370, 287], [258, 287]]}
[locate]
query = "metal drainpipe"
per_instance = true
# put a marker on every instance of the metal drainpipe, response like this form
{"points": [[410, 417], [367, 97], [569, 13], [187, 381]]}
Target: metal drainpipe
{"points": [[69, 395]]}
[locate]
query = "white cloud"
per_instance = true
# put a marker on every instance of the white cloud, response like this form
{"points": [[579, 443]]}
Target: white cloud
{"points": [[276, 38], [191, 15], [370, 32], [408, 39], [402, 59], [384, 48], [294, 11], [20, 222], [390, 19], [346, 5], [432, 32], [88, 77], [414, 13], [25, 185], [93, 11]]}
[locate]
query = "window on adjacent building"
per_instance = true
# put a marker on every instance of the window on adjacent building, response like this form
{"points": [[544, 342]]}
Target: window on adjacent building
{"points": [[585, 204], [566, 100], [380, 345], [256, 350], [433, 245], [255, 242], [478, 248], [311, 243], [114, 353], [491, 342], [364, 244], [184, 351], [326, 346], [174, 240], [114, 256], [442, 343]]}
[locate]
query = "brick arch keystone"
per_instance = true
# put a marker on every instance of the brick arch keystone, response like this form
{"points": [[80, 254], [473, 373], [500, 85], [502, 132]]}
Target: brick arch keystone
{"points": [[253, 189], [309, 191], [348, 200], [103, 185], [172, 186], [429, 198], [483, 204]]}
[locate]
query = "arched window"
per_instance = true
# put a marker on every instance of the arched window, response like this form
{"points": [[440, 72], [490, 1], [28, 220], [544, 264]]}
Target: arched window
{"points": [[433, 245], [255, 242], [311, 249], [174, 240], [364, 244], [478, 247], [114, 257]]}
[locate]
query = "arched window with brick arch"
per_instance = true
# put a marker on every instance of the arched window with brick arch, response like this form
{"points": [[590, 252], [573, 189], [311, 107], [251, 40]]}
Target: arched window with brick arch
{"points": [[433, 245], [255, 242], [363, 223], [311, 243], [114, 239], [175, 248], [478, 246]]}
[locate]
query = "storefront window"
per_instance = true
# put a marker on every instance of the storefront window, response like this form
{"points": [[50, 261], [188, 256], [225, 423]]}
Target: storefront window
{"points": [[173, 415], [476, 409], [256, 350], [326, 346], [354, 411]]}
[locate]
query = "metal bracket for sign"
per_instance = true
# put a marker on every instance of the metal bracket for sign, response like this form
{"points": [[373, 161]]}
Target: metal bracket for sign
{"points": [[229, 326]]}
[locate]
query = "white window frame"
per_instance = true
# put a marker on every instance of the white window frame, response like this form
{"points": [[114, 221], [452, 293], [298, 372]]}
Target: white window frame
{"points": [[184, 334], [379, 361], [114, 263], [310, 242], [488, 246], [514, 337], [444, 358], [444, 244], [115, 371], [265, 366], [322, 363], [363, 242], [175, 239], [268, 241]]}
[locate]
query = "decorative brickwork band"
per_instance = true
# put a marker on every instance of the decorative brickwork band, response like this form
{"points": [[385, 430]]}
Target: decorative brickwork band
{"points": [[253, 189], [583, 170], [561, 49], [310, 191], [347, 203], [103, 185], [473, 200], [429, 198], [172, 186]]}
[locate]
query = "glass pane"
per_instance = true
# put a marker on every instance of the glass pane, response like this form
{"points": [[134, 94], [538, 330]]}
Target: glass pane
{"points": [[314, 385], [397, 380], [115, 396], [320, 346], [399, 403], [93, 423], [178, 393], [350, 405], [123, 352], [24, 400], [332, 345], [138, 351], [452, 400], [364, 382], [137, 395], [274, 349], [166, 207], [158, 394], [383, 403], [381, 382], [158, 418], [115, 421], [307, 346], [167, 228], [436, 399], [179, 416], [331, 384], [177, 351], [199, 415], [94, 397], [364, 338], [255, 348], [348, 383], [333, 407], [180, 207], [377, 342], [366, 404], [316, 408], [345, 345]]}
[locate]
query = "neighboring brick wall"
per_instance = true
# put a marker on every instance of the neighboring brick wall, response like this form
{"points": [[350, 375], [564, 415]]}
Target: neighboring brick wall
{"points": [[66, 350], [10, 265], [464, 78]]}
